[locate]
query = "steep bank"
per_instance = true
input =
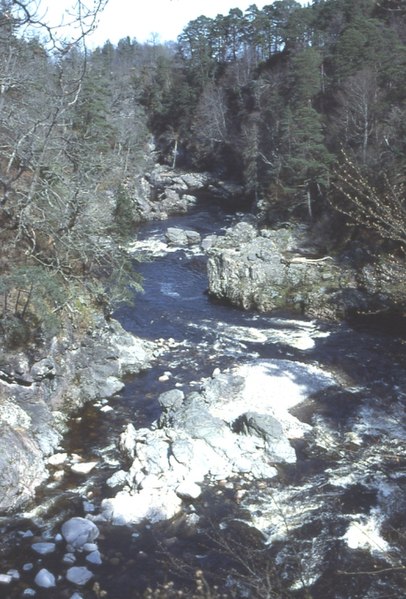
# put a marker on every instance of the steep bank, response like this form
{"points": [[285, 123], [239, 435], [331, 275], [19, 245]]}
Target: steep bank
{"points": [[268, 269], [38, 393]]}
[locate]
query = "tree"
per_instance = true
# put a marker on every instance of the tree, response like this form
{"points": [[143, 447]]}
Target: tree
{"points": [[280, 13], [251, 154], [364, 42], [59, 148], [197, 47], [379, 209], [305, 159], [211, 120], [259, 32], [359, 103], [306, 76]]}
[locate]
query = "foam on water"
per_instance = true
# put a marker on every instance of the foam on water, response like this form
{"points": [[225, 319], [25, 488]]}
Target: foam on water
{"points": [[274, 387], [298, 335], [277, 513], [153, 247], [156, 247]]}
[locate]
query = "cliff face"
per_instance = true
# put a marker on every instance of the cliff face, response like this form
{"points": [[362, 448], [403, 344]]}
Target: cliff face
{"points": [[38, 394], [279, 269]]}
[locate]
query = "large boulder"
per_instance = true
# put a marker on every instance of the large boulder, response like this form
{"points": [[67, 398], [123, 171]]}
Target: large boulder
{"points": [[182, 237], [79, 531], [278, 269], [22, 465]]}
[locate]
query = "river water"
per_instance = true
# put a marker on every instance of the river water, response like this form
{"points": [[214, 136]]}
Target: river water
{"points": [[333, 524]]}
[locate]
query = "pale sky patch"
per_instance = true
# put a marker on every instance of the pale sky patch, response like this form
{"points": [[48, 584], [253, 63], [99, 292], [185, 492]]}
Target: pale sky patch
{"points": [[144, 20]]}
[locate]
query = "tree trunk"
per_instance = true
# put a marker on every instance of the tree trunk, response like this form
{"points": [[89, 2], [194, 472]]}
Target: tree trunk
{"points": [[175, 153]]}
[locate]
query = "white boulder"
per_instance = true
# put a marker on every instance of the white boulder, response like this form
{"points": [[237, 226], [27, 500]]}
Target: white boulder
{"points": [[79, 575], [79, 531], [45, 579]]}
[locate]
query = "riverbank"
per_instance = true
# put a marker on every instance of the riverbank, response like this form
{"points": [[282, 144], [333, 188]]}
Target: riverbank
{"points": [[39, 392]]}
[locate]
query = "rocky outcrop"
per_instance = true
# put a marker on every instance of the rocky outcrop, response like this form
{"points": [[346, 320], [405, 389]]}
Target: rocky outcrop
{"points": [[279, 269], [239, 424], [37, 395], [163, 192], [182, 237]]}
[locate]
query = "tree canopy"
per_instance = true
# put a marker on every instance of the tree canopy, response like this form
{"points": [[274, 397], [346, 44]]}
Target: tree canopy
{"points": [[304, 105]]}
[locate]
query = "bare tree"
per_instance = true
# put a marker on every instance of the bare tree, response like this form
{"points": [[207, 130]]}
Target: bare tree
{"points": [[56, 210], [358, 112], [381, 210]]}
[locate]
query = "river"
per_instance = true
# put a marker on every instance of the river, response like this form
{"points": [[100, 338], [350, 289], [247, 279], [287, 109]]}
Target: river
{"points": [[333, 522]]}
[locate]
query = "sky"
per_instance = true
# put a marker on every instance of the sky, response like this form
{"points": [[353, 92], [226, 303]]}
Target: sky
{"points": [[143, 19]]}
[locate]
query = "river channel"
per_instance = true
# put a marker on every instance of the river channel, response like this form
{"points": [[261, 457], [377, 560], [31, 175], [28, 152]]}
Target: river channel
{"points": [[333, 523]]}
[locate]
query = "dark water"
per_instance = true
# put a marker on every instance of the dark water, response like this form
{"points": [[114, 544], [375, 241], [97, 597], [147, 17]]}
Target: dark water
{"points": [[352, 466]]}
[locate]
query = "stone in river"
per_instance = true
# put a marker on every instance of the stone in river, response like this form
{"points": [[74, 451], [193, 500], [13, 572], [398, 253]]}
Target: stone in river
{"points": [[83, 467], [44, 548], [79, 531], [188, 490], [89, 547], [28, 567], [94, 558], [45, 579], [79, 575]]}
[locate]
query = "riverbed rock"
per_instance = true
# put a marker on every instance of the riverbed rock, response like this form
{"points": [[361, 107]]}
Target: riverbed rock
{"points": [[182, 237], [5, 579], [79, 575], [176, 236], [238, 423], [45, 579], [135, 507], [22, 465], [187, 490], [127, 442], [44, 548], [270, 269], [164, 191], [45, 368], [79, 531], [255, 270], [170, 402], [94, 557], [118, 479], [162, 177], [83, 467]]}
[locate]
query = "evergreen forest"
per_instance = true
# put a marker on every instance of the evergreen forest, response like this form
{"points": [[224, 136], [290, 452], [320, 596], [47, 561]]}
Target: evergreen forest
{"points": [[303, 106]]}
